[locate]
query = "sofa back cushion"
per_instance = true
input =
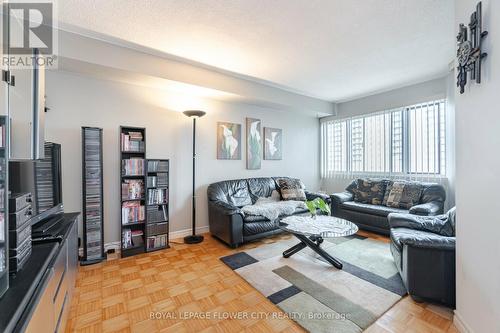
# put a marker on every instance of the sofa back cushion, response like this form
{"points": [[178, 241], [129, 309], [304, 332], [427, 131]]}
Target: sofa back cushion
{"points": [[261, 187], [370, 191], [234, 192], [291, 189]]}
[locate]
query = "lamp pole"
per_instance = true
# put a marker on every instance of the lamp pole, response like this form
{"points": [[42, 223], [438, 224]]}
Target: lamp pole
{"points": [[194, 238]]}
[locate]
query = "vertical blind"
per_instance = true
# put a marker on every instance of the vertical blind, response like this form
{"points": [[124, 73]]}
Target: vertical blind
{"points": [[407, 142]]}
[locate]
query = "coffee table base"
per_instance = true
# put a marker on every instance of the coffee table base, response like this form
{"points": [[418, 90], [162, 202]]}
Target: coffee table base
{"points": [[314, 243]]}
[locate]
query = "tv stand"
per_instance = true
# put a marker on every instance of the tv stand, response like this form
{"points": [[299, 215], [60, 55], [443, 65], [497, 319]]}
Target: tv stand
{"points": [[39, 295]]}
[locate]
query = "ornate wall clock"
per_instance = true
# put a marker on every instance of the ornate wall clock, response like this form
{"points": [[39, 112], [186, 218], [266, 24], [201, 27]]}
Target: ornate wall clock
{"points": [[469, 53]]}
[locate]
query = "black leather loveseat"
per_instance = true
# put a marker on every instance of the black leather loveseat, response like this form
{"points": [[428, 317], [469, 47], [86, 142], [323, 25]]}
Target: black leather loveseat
{"points": [[423, 248], [374, 217], [226, 220]]}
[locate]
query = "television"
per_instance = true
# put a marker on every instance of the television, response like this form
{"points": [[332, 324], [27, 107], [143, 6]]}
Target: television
{"points": [[41, 178]]}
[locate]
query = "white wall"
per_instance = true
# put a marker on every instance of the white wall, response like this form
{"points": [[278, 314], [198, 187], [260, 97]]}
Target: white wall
{"points": [[478, 164], [77, 101]]}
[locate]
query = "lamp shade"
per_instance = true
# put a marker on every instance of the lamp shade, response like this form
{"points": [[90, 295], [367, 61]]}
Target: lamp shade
{"points": [[194, 113]]}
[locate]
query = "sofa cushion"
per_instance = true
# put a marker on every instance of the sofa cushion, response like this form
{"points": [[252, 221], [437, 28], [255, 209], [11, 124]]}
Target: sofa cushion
{"points": [[291, 189], [370, 191], [254, 228], [371, 209], [261, 187], [260, 218]]}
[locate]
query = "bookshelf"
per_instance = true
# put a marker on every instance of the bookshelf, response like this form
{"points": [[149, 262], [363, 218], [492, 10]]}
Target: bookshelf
{"points": [[157, 200], [92, 186], [132, 190]]}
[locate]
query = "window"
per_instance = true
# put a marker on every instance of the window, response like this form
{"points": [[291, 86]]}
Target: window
{"points": [[408, 140]]}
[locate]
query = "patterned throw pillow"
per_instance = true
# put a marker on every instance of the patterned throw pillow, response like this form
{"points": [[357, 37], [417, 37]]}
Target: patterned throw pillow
{"points": [[395, 194], [369, 191], [291, 189], [411, 195], [402, 194]]}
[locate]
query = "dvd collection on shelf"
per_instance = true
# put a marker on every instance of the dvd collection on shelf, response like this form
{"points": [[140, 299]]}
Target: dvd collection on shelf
{"points": [[132, 189], [132, 141], [144, 195], [157, 165], [157, 214], [157, 201], [157, 196], [133, 167], [44, 183], [92, 194], [2, 136], [155, 242], [133, 212]]}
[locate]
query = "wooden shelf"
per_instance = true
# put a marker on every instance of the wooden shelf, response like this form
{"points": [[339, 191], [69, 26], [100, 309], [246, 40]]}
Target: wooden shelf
{"points": [[133, 223]]}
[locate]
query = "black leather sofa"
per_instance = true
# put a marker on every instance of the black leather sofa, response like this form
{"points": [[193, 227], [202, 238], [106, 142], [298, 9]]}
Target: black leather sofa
{"points": [[374, 217], [423, 248], [229, 224]]}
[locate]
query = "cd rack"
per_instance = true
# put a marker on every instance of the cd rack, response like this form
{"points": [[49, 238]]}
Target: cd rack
{"points": [[92, 187]]}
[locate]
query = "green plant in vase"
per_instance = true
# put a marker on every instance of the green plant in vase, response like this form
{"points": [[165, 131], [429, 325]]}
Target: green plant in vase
{"points": [[314, 205]]}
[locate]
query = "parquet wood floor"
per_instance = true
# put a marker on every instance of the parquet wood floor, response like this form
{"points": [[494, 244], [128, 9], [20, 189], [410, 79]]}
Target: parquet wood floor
{"points": [[121, 295]]}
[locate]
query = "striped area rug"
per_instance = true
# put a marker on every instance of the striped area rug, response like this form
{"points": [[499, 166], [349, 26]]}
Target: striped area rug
{"points": [[315, 294]]}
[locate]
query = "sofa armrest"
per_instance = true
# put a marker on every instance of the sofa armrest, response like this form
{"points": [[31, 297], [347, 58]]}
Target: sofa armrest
{"points": [[440, 243], [338, 198], [435, 224], [342, 197], [429, 208], [313, 195], [224, 208]]}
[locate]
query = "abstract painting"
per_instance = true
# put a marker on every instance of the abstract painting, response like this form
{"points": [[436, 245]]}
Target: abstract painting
{"points": [[273, 143], [228, 141], [254, 144]]}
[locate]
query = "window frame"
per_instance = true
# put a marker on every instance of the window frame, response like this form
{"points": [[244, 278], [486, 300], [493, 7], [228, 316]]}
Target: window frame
{"points": [[440, 150]]}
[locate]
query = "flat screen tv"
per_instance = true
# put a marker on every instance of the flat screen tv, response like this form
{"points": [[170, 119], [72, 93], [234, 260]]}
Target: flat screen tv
{"points": [[41, 178]]}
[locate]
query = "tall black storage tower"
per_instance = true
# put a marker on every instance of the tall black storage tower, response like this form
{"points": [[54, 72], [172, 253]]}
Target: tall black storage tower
{"points": [[93, 228], [4, 248]]}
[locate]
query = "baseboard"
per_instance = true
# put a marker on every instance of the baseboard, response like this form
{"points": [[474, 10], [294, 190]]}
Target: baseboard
{"points": [[172, 235], [187, 232], [461, 326]]}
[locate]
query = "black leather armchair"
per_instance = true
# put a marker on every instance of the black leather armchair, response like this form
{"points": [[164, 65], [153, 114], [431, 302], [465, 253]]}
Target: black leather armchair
{"points": [[226, 220], [423, 248]]}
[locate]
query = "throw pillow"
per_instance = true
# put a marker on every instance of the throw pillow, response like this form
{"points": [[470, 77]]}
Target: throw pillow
{"points": [[395, 194], [411, 195], [291, 189], [388, 189], [369, 191]]}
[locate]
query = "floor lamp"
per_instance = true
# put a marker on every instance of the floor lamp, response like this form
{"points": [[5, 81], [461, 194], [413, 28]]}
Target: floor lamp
{"points": [[194, 238]]}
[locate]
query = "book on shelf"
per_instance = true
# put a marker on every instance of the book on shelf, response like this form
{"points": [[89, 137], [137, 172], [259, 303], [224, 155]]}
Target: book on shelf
{"points": [[157, 196], [133, 141], [132, 189], [160, 180], [132, 211], [157, 214], [127, 238], [157, 241], [133, 167], [157, 166], [2, 136]]}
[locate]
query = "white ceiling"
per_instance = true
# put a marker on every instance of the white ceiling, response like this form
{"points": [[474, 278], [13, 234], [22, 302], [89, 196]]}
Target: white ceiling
{"points": [[331, 49]]}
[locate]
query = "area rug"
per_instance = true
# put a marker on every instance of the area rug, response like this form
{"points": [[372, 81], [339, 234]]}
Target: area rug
{"points": [[315, 294]]}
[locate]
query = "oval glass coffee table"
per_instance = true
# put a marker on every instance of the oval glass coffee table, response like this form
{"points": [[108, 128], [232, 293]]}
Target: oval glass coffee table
{"points": [[312, 231]]}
